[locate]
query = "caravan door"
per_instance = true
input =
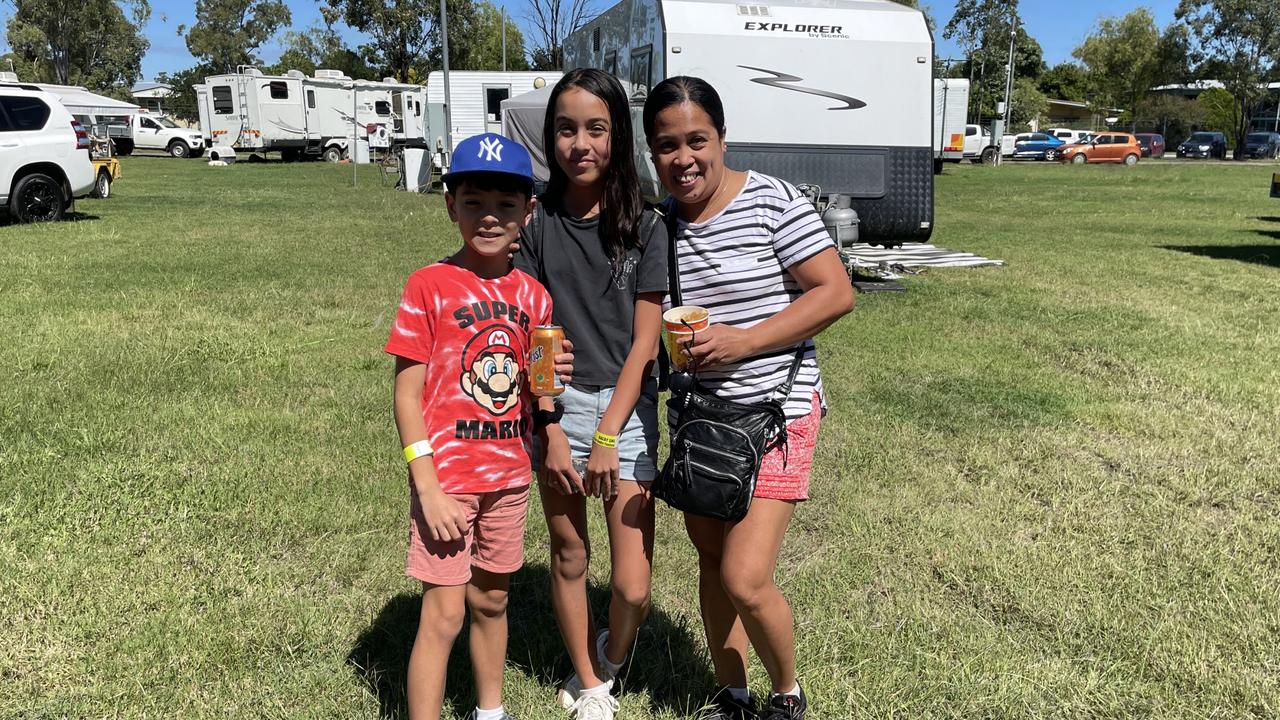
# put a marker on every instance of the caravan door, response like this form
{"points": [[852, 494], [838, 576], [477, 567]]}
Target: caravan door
{"points": [[493, 97]]}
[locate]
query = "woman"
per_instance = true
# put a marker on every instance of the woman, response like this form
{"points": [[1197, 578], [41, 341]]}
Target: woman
{"points": [[752, 250]]}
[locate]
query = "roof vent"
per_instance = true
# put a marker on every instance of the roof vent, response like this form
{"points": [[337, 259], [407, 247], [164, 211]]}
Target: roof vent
{"points": [[754, 10], [331, 75], [295, 74], [9, 77]]}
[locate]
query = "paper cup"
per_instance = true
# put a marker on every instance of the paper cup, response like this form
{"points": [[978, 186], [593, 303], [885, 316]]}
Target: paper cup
{"points": [[686, 318], [675, 349]]}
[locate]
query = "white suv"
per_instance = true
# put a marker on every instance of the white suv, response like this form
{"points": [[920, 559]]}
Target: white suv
{"points": [[44, 155]]}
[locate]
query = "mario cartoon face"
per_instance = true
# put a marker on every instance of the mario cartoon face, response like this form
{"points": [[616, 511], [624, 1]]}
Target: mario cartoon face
{"points": [[490, 371]]}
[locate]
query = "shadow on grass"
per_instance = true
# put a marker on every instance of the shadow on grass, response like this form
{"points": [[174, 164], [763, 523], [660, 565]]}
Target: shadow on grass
{"points": [[1268, 218], [667, 664], [8, 220], [1257, 254]]}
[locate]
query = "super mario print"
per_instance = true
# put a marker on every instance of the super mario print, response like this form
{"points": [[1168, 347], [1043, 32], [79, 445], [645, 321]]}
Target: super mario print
{"points": [[491, 374]]}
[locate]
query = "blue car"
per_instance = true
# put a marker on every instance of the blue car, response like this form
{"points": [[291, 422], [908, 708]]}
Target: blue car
{"points": [[1036, 146]]}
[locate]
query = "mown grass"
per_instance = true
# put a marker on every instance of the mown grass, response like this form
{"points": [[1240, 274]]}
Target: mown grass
{"points": [[1047, 490]]}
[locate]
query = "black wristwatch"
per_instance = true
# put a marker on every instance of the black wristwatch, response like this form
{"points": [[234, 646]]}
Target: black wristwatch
{"points": [[543, 418]]}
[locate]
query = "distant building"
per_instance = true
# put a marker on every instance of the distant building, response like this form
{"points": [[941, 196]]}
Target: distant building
{"points": [[1075, 115], [153, 97], [1265, 117]]}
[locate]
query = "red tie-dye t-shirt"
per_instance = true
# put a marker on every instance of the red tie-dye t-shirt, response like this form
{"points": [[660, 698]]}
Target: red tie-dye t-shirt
{"points": [[473, 335]]}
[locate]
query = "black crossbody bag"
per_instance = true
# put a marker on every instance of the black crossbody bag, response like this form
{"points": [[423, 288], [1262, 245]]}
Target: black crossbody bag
{"points": [[717, 445]]}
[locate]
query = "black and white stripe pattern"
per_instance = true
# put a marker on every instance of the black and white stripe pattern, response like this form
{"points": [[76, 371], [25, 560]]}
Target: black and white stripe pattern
{"points": [[735, 265], [915, 255]]}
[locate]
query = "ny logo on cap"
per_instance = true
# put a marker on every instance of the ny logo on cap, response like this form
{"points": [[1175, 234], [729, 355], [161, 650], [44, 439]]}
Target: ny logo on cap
{"points": [[490, 149]]}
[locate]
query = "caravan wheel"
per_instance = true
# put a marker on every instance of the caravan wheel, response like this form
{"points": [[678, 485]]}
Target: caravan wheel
{"points": [[332, 154], [102, 186]]}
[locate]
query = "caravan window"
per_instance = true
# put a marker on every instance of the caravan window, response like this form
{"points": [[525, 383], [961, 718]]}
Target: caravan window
{"points": [[382, 107], [222, 100], [641, 79], [311, 99], [493, 97], [279, 90]]}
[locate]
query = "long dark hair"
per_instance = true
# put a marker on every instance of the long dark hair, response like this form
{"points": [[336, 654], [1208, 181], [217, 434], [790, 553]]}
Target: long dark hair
{"points": [[621, 204], [679, 89]]}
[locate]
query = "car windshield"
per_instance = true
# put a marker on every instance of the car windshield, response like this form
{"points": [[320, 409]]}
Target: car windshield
{"points": [[166, 122], [1259, 137], [1201, 137]]}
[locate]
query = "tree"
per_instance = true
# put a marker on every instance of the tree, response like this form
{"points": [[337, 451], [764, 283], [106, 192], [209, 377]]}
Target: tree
{"points": [[321, 47], [1169, 114], [1065, 81], [551, 21], [228, 32], [1121, 60], [1239, 43], [475, 39], [1221, 112], [94, 43], [982, 29], [1027, 103], [182, 103], [399, 29]]}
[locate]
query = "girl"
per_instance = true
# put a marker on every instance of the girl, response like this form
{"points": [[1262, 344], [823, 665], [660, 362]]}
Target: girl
{"points": [[752, 250], [602, 256]]}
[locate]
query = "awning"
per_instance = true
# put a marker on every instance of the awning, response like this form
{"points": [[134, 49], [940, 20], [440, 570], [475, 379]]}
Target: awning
{"points": [[522, 118], [80, 101]]}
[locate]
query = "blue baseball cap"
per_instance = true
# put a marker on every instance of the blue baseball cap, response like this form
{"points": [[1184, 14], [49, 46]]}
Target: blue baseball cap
{"points": [[490, 153]]}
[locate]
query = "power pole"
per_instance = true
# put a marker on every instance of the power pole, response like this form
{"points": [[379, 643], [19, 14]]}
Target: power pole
{"points": [[448, 99], [504, 39]]}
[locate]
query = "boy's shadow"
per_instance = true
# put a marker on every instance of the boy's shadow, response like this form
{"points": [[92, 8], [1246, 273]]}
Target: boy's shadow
{"points": [[667, 664]]}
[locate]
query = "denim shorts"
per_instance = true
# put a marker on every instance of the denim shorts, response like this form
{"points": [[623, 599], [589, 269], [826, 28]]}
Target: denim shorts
{"points": [[584, 407]]}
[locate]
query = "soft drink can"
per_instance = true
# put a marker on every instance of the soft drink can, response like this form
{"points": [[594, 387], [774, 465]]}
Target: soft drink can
{"points": [[547, 342]]}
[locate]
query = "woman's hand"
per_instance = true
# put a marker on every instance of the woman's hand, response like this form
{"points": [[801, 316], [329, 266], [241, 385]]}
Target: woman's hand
{"points": [[445, 517], [557, 465], [603, 472], [721, 345]]}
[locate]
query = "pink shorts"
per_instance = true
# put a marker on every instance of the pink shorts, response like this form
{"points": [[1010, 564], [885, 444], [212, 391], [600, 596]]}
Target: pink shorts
{"points": [[494, 540], [791, 482]]}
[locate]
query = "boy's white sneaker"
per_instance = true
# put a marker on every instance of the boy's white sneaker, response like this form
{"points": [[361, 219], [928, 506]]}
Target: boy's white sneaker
{"points": [[572, 687], [594, 707]]}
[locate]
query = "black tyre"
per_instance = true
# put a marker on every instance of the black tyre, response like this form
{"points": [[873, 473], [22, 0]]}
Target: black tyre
{"points": [[990, 156], [1079, 159], [1131, 159], [179, 149], [1051, 155], [102, 185], [937, 166], [332, 154], [38, 198], [123, 147]]}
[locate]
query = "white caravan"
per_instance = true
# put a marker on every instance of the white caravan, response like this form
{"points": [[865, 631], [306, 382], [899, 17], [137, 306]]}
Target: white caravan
{"points": [[475, 102], [950, 110], [296, 114], [836, 93]]}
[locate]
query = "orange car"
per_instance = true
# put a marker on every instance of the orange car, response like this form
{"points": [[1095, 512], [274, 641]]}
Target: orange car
{"points": [[1103, 147]]}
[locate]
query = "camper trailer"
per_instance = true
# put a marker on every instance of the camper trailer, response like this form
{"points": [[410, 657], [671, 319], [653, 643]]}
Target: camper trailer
{"points": [[836, 93], [294, 114], [950, 111], [477, 97]]}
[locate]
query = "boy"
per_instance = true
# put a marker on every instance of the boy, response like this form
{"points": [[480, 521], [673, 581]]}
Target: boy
{"points": [[461, 339]]}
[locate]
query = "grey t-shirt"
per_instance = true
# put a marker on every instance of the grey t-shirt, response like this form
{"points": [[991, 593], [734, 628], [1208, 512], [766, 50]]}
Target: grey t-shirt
{"points": [[593, 297]]}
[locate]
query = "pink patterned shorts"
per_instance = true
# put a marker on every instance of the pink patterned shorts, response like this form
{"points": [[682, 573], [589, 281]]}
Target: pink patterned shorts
{"points": [[792, 481]]}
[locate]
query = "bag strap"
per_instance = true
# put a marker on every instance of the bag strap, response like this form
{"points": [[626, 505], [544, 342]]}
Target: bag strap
{"points": [[668, 211]]}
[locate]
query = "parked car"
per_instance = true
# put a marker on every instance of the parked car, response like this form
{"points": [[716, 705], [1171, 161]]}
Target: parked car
{"points": [[1068, 135], [1262, 145], [1204, 145], [44, 155], [148, 132], [1104, 147], [1152, 144], [1036, 146]]}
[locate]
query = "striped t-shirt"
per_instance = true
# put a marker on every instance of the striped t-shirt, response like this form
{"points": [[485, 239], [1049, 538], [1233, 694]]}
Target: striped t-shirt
{"points": [[735, 265]]}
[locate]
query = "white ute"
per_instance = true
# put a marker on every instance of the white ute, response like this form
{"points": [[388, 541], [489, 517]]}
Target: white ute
{"points": [[44, 155]]}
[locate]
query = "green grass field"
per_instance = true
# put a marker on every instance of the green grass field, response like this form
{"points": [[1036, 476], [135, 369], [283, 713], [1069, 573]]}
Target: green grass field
{"points": [[1048, 490]]}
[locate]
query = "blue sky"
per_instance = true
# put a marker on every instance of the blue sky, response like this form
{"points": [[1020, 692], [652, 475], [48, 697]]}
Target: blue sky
{"points": [[1057, 32]]}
